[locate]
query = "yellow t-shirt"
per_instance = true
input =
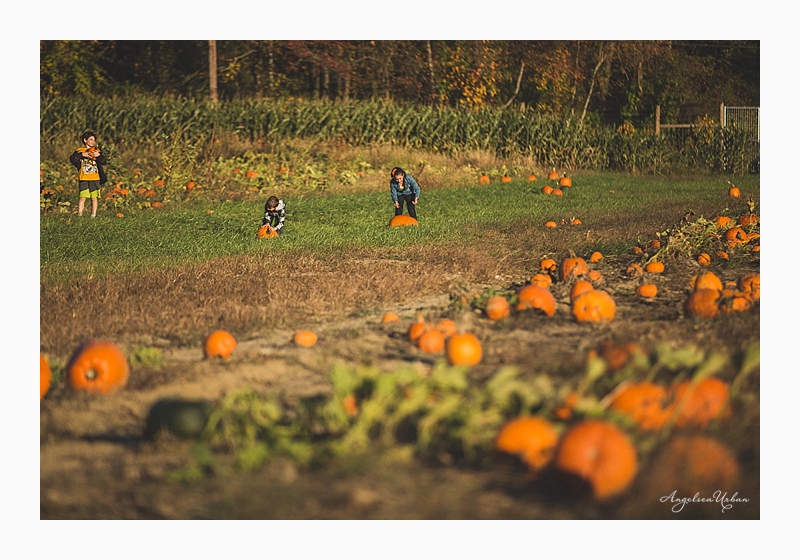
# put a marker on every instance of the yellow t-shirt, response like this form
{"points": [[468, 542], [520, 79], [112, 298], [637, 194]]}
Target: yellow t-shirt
{"points": [[88, 170]]}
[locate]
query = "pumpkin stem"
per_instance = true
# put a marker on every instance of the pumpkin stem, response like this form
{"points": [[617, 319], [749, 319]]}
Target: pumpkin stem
{"points": [[91, 374]]}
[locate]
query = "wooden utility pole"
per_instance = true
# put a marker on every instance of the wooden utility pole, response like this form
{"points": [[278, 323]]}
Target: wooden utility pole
{"points": [[658, 120], [212, 70]]}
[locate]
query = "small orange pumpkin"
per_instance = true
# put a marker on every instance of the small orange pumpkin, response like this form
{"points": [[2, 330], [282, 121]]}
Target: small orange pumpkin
{"points": [[700, 403], [484, 179], [750, 283], [647, 290], [390, 317], [464, 349], [707, 281], [497, 308], [536, 297], [595, 257], [634, 270], [595, 276], [98, 366], [447, 326], [263, 232], [557, 192], [219, 343], [734, 191], [45, 376], [565, 181], [547, 189], [417, 329], [723, 222], [655, 267], [531, 438], [550, 224], [431, 341], [646, 403], [531, 177], [543, 280], [553, 176], [572, 267], [748, 219], [305, 338], [505, 179], [548, 264], [704, 259], [735, 236]]}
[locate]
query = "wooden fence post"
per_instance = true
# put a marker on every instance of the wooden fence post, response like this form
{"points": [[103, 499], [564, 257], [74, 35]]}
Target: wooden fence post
{"points": [[722, 115], [658, 120]]}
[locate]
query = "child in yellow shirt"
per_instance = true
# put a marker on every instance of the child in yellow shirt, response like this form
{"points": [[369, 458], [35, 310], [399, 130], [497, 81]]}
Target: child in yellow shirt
{"points": [[89, 162]]}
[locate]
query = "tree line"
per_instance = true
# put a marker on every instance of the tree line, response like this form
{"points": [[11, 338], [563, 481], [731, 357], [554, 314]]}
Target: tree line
{"points": [[611, 82]]}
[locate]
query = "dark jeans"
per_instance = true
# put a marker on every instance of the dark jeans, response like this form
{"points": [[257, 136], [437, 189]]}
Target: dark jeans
{"points": [[409, 200]]}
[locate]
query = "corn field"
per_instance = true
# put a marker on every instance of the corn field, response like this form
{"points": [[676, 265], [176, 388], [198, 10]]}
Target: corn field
{"points": [[550, 141]]}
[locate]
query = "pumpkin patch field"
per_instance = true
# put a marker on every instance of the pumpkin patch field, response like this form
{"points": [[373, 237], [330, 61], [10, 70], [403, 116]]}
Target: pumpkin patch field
{"points": [[513, 355]]}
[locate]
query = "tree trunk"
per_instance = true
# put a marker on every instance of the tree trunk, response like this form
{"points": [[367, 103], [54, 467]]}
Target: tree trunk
{"points": [[271, 69], [212, 71], [519, 82], [601, 58], [430, 71]]}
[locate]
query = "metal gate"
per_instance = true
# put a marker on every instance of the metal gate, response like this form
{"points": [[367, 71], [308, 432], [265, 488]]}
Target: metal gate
{"points": [[747, 119]]}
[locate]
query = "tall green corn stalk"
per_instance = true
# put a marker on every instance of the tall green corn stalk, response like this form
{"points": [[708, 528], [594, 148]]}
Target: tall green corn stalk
{"points": [[551, 141]]}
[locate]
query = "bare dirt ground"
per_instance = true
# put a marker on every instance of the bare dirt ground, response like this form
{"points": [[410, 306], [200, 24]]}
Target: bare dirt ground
{"points": [[95, 464]]}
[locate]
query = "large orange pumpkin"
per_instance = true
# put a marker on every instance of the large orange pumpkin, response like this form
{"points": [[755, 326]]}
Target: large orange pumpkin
{"points": [[600, 453], [402, 220], [702, 303], [531, 438], [98, 366], [700, 403], [594, 306], [464, 349]]}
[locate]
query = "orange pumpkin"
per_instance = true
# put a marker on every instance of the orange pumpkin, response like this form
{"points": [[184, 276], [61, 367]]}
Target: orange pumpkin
{"points": [[600, 453], [594, 306], [158, 183], [557, 192], [464, 349], [646, 403], [45, 376], [617, 355], [531, 177], [553, 176], [699, 403], [547, 189], [305, 338], [580, 287], [647, 290], [702, 303], [634, 270], [536, 297], [565, 181], [655, 244], [263, 232], [735, 236], [548, 265], [734, 192], [505, 179], [431, 341], [655, 267], [550, 224], [251, 174], [219, 344], [748, 219], [707, 281], [390, 317], [416, 330], [447, 327], [531, 438], [497, 308], [750, 283], [572, 267], [723, 222], [98, 366], [704, 259], [402, 220], [595, 276], [595, 257], [694, 464], [543, 280], [484, 179]]}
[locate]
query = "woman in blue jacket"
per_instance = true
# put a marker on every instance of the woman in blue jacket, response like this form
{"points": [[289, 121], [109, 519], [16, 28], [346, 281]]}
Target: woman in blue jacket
{"points": [[404, 190]]}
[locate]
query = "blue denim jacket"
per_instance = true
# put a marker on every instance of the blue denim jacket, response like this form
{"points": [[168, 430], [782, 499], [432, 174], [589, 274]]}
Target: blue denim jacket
{"points": [[410, 187]]}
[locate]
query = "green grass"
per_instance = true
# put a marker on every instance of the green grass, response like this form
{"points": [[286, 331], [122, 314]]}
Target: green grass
{"points": [[71, 247]]}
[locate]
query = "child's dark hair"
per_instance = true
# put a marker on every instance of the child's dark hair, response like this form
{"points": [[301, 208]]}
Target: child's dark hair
{"points": [[87, 134], [272, 202], [397, 170]]}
